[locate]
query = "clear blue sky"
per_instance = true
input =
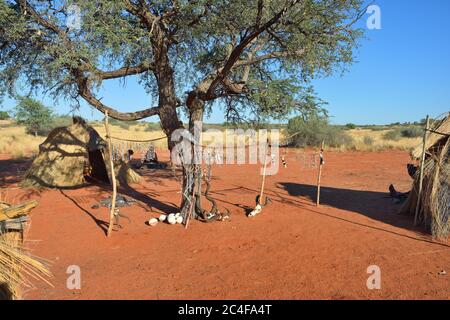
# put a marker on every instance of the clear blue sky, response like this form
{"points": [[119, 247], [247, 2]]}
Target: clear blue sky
{"points": [[402, 73]]}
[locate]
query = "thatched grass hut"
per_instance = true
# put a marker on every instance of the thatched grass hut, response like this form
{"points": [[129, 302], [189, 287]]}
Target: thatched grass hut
{"points": [[434, 204], [71, 154]]}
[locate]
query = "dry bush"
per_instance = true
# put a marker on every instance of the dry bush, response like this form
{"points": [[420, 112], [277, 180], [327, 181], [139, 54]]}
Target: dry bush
{"points": [[362, 136]]}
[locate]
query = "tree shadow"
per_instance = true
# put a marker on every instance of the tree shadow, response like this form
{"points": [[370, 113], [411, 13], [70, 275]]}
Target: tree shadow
{"points": [[149, 198], [384, 209], [375, 205], [103, 225]]}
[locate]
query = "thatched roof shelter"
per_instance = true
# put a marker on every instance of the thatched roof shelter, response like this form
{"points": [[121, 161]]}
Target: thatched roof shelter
{"points": [[434, 205], [71, 154]]}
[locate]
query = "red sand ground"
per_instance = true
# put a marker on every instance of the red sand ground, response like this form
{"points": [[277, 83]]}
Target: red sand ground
{"points": [[293, 250]]}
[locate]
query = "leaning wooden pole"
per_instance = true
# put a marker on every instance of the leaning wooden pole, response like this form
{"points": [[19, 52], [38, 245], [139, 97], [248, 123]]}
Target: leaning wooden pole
{"points": [[422, 169], [263, 180], [319, 175], [112, 177]]}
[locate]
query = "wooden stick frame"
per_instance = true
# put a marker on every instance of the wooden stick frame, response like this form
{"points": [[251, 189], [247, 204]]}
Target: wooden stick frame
{"points": [[319, 175], [112, 177], [422, 169]]}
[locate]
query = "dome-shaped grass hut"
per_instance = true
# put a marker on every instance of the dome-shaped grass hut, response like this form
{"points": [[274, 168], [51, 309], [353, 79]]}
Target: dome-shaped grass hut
{"points": [[434, 202], [72, 154]]}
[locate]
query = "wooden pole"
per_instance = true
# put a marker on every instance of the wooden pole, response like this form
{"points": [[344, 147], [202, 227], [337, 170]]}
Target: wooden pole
{"points": [[112, 176], [319, 176], [422, 168], [263, 181]]}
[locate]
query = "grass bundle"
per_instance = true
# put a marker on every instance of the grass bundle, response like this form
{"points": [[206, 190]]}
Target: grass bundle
{"points": [[18, 268]]}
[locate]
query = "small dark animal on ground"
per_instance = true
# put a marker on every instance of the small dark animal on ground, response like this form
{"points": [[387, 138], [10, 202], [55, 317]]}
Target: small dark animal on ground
{"points": [[399, 197]]}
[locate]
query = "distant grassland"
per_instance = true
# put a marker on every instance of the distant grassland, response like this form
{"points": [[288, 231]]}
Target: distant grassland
{"points": [[15, 142], [375, 140]]}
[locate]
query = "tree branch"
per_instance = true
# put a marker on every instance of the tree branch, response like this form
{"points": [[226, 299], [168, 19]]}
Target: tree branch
{"points": [[123, 72], [239, 49]]}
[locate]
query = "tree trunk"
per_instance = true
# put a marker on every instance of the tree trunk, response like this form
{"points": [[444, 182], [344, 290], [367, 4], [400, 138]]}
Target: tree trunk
{"points": [[191, 192], [166, 88]]}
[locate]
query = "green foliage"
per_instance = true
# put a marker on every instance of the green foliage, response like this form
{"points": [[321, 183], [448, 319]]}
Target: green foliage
{"points": [[393, 135], [314, 129], [350, 126], [314, 38], [36, 117], [4, 115], [398, 133], [412, 132], [152, 126], [122, 124]]}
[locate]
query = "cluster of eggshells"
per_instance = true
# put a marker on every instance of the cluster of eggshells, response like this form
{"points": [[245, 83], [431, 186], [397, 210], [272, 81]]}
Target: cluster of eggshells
{"points": [[173, 218]]}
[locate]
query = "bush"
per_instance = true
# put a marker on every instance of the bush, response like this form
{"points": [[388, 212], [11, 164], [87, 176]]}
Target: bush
{"points": [[4, 115], [121, 124], [153, 126], [398, 133], [313, 130], [393, 135], [412, 132], [350, 126], [368, 140]]}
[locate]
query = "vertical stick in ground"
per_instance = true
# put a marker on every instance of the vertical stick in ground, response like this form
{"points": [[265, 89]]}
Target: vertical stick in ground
{"points": [[422, 168], [319, 177], [112, 177], [263, 180]]}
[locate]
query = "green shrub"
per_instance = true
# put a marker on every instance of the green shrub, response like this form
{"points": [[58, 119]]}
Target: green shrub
{"points": [[350, 126], [311, 131], [153, 126], [122, 124], [393, 135], [398, 133], [412, 132], [4, 115]]}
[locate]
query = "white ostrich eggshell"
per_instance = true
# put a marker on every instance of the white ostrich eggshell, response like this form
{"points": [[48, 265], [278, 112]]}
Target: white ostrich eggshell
{"points": [[153, 222], [180, 219], [171, 219], [162, 218]]}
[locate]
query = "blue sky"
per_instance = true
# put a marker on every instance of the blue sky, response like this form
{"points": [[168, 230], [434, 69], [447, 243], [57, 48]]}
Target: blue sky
{"points": [[402, 73]]}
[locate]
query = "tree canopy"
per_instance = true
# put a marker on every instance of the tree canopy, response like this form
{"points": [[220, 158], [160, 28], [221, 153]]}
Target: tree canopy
{"points": [[253, 57]]}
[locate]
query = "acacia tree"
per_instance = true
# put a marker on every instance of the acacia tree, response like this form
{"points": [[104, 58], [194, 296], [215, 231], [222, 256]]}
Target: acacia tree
{"points": [[31, 113], [253, 58]]}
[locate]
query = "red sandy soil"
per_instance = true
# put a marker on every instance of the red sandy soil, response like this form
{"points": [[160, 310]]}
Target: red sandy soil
{"points": [[293, 250]]}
